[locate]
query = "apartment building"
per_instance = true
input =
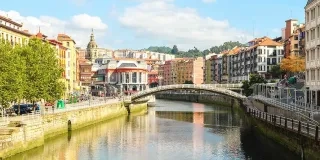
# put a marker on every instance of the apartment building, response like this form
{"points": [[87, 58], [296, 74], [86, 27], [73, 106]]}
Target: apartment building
{"points": [[182, 70], [71, 62], [259, 57], [11, 31], [235, 65], [294, 35], [312, 41]]}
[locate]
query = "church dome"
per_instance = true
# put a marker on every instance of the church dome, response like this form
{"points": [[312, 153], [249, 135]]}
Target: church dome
{"points": [[92, 43]]}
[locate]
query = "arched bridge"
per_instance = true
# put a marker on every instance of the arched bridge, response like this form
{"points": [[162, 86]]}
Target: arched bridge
{"points": [[219, 89]]}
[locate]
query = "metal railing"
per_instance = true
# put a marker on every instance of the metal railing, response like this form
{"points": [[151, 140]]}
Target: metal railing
{"points": [[289, 98], [83, 105], [30, 118], [303, 128], [212, 88]]}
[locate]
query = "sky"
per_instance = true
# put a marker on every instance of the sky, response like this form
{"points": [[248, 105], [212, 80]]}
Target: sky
{"points": [[138, 24]]}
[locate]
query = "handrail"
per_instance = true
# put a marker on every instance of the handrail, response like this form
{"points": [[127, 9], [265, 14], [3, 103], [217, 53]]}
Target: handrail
{"points": [[300, 127], [288, 107], [209, 87]]}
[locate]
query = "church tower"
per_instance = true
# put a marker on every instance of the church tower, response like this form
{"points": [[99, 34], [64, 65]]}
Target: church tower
{"points": [[92, 48]]}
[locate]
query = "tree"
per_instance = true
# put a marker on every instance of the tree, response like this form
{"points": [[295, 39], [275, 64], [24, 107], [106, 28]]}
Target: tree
{"points": [[42, 71], [276, 71], [188, 82], [254, 79], [12, 69], [293, 64], [195, 52], [174, 50]]}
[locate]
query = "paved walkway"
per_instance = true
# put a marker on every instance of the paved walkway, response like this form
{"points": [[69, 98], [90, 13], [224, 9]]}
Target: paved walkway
{"points": [[34, 117]]}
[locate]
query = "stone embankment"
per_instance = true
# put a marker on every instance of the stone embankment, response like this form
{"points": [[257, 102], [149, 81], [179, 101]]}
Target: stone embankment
{"points": [[20, 136], [202, 98]]}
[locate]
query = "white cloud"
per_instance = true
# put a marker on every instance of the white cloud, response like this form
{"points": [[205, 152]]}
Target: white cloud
{"points": [[78, 26], [182, 26], [208, 1]]}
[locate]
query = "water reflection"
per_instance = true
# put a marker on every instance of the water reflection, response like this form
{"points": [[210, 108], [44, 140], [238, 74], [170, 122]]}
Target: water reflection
{"points": [[172, 130]]}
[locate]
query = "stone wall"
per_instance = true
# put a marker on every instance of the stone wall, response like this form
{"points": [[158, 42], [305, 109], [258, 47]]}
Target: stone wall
{"points": [[21, 136], [215, 99]]}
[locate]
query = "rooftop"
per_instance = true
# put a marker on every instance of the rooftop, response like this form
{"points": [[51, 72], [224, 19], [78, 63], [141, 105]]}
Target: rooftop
{"points": [[10, 21]]}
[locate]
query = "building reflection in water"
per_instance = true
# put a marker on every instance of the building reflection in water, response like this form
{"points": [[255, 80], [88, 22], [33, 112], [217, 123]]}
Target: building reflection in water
{"points": [[149, 137]]}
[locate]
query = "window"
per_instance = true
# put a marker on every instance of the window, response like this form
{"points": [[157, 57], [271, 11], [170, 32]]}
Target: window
{"points": [[313, 75], [307, 16], [296, 46], [318, 31], [313, 14], [296, 38], [313, 54], [68, 44]]}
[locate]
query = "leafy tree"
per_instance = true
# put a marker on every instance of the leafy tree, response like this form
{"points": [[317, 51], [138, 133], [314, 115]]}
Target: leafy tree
{"points": [[276, 71], [195, 52], [293, 64], [162, 49], [174, 50], [254, 79], [188, 82], [225, 46], [12, 69], [42, 71]]}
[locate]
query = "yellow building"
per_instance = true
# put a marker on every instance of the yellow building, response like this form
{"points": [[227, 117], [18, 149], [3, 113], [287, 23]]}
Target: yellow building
{"points": [[71, 63], [208, 73], [12, 32]]}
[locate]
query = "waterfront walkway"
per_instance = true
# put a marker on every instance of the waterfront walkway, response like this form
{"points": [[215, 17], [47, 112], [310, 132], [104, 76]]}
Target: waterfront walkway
{"points": [[36, 116]]}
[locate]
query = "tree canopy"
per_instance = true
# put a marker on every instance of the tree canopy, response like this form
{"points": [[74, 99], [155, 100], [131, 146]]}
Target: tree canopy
{"points": [[29, 72], [194, 52], [254, 78], [276, 71], [293, 64]]}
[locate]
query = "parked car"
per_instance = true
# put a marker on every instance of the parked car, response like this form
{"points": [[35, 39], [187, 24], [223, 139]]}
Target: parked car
{"points": [[24, 109]]}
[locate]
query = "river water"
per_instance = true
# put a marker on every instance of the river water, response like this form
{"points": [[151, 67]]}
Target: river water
{"points": [[172, 130]]}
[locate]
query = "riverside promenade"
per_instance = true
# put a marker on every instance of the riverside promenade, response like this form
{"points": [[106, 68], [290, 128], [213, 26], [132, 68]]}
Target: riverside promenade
{"points": [[45, 110]]}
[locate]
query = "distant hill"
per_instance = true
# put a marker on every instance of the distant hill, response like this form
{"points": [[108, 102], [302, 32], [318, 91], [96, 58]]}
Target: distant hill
{"points": [[194, 52]]}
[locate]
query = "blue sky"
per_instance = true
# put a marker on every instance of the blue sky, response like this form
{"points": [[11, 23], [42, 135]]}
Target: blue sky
{"points": [[136, 24]]}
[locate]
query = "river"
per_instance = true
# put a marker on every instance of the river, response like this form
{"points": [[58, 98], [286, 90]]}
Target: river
{"points": [[171, 130]]}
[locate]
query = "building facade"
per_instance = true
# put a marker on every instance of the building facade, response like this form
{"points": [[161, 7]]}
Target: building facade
{"points": [[294, 38], [235, 65], [11, 31], [312, 41], [118, 76], [183, 70], [71, 63]]}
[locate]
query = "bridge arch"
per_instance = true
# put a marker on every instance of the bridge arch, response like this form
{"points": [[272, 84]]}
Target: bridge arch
{"points": [[210, 88]]}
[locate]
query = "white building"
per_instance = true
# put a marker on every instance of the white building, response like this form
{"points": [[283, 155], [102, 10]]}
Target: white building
{"points": [[259, 57], [312, 19]]}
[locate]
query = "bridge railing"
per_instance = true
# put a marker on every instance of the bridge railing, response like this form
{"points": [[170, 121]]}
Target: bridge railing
{"points": [[300, 127], [213, 87]]}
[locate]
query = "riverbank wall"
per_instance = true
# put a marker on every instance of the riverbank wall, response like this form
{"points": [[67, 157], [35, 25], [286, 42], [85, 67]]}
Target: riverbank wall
{"points": [[20, 136], [306, 147], [214, 99]]}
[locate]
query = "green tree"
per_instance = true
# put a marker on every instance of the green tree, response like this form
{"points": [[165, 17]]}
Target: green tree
{"points": [[188, 82], [42, 71], [12, 69], [276, 71], [162, 49], [254, 79], [174, 50]]}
